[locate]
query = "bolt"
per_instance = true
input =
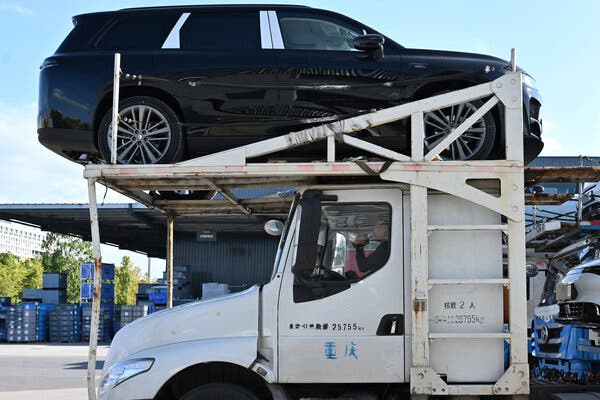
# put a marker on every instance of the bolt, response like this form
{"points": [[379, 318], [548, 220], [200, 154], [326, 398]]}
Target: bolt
{"points": [[515, 209], [499, 85], [514, 98], [513, 81]]}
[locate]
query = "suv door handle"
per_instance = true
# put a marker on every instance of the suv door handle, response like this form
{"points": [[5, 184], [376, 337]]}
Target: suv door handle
{"points": [[391, 325], [418, 65]]}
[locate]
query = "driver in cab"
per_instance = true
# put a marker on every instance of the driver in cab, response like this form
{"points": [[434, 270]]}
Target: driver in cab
{"points": [[376, 259]]}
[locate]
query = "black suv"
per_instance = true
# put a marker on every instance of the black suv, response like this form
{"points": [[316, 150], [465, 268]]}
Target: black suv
{"points": [[210, 78]]}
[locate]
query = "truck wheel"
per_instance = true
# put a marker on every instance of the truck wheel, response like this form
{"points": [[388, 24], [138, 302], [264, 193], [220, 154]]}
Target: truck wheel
{"points": [[149, 133], [219, 391]]}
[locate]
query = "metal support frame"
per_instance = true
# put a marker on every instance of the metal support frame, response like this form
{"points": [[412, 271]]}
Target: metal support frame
{"points": [[170, 220], [115, 108], [91, 368], [229, 169], [510, 203]]}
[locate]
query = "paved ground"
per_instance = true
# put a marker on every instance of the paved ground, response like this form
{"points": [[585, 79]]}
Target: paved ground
{"points": [[48, 371]]}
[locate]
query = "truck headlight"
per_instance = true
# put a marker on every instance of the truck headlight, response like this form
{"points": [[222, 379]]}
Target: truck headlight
{"points": [[122, 371]]}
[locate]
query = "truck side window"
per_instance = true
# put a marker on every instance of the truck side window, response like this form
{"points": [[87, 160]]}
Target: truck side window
{"points": [[353, 243]]}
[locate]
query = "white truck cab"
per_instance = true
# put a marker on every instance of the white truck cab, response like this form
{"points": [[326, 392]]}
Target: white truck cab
{"points": [[335, 319]]}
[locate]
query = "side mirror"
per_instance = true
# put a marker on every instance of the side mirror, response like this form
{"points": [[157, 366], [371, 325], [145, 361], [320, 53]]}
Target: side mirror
{"points": [[274, 227], [310, 224], [371, 44], [531, 270]]}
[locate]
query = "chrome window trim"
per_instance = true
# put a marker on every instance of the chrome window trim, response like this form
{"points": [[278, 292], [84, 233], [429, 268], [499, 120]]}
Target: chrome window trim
{"points": [[172, 41], [276, 38], [266, 41]]}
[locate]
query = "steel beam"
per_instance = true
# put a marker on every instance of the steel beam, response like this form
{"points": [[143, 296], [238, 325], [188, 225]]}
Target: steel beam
{"points": [[170, 219], [91, 367]]}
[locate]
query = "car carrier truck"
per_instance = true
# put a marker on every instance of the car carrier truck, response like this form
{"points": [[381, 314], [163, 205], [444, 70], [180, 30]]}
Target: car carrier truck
{"points": [[425, 317]]}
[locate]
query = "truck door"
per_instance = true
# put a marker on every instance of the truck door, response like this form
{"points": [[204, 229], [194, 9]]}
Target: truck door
{"points": [[342, 319]]}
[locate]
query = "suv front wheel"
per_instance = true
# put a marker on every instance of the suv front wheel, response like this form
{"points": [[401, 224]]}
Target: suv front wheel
{"points": [[475, 143], [149, 133]]}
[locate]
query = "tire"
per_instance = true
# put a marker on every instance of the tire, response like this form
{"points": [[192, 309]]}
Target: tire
{"points": [[219, 391], [476, 143], [157, 140]]}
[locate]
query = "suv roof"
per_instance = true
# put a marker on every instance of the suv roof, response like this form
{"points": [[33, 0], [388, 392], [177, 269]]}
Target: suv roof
{"points": [[159, 8], [101, 14]]}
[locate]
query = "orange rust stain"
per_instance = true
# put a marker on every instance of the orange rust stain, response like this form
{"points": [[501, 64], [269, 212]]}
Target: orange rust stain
{"points": [[98, 273]]}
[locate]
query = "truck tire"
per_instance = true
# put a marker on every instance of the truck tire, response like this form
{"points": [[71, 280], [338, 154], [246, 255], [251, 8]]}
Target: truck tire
{"points": [[219, 391]]}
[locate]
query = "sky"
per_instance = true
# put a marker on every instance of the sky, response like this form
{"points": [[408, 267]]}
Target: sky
{"points": [[557, 42]]}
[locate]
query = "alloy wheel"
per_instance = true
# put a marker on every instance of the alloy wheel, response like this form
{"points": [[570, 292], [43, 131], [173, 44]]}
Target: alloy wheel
{"points": [[439, 124], [144, 135]]}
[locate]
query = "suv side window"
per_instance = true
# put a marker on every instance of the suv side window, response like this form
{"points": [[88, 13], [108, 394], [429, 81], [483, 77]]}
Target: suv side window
{"points": [[316, 32], [138, 32], [221, 31], [354, 242]]}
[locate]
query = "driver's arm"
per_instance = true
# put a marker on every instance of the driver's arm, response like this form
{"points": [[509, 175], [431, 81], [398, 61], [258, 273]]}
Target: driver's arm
{"points": [[361, 259]]}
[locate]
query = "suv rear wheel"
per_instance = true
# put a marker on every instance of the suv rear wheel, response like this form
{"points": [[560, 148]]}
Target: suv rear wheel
{"points": [[219, 391], [475, 143], [149, 133]]}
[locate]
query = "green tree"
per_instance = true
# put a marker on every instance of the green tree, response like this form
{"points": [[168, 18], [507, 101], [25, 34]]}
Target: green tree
{"points": [[127, 277], [64, 254], [33, 271], [17, 274], [11, 276]]}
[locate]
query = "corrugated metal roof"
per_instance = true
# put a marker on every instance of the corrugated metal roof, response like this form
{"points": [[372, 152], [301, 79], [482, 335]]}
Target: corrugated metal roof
{"points": [[251, 193], [131, 226], [565, 161]]}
